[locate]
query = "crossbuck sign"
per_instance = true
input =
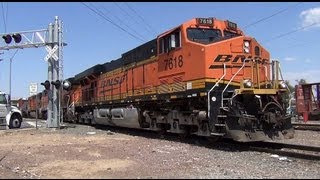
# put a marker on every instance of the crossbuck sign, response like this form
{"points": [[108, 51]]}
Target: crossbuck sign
{"points": [[51, 52]]}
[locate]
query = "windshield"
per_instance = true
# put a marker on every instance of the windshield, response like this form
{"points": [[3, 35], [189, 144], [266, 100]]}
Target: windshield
{"points": [[207, 36], [204, 36], [228, 34], [3, 99]]}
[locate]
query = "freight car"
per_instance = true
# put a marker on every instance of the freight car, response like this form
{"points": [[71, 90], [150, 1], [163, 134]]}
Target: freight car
{"points": [[203, 77], [23, 107], [308, 101]]}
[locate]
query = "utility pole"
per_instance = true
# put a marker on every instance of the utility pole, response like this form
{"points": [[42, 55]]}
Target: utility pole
{"points": [[49, 38]]}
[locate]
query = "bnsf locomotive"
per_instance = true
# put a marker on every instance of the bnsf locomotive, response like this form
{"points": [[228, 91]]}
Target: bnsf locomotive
{"points": [[203, 77]]}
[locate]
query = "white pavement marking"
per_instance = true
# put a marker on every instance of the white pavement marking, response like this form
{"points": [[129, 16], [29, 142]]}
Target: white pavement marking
{"points": [[33, 124]]}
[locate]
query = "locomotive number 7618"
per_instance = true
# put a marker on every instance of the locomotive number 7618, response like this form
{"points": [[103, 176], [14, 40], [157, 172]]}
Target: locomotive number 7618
{"points": [[173, 62]]}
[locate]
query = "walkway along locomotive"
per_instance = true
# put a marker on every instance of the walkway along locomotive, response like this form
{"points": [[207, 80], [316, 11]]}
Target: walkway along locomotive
{"points": [[203, 77]]}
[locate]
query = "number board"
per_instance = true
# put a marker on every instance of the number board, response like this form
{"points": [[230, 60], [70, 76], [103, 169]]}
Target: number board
{"points": [[231, 25], [205, 21]]}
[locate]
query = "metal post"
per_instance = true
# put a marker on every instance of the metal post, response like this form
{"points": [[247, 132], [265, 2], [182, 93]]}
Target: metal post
{"points": [[1, 59], [273, 70], [37, 111], [318, 95], [55, 75], [60, 71], [10, 83], [50, 69], [276, 75], [10, 76]]}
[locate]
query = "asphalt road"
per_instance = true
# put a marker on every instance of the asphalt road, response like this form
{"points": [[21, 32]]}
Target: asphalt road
{"points": [[32, 123]]}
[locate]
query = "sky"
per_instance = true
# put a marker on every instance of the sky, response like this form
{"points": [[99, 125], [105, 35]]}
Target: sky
{"points": [[290, 31]]}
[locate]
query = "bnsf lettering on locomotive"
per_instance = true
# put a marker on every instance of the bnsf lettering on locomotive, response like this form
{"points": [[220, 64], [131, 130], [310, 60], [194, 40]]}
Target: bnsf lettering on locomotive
{"points": [[113, 81], [237, 59], [227, 58], [223, 58]]}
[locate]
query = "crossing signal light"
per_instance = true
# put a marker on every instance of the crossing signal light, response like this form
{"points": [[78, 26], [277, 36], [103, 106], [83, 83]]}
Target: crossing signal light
{"points": [[17, 37], [46, 84], [56, 83], [66, 85], [8, 38]]}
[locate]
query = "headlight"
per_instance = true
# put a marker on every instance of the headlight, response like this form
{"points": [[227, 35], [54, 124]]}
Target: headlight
{"points": [[246, 44], [247, 83], [246, 50], [282, 85], [66, 85]]}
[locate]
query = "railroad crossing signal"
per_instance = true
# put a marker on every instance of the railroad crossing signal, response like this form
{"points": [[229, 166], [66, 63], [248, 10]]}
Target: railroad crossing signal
{"points": [[17, 38], [56, 84], [8, 38], [46, 85], [51, 39]]}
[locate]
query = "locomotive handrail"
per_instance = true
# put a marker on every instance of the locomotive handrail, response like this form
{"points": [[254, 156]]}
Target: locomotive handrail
{"points": [[266, 75], [244, 62], [282, 78], [71, 107], [224, 74]]}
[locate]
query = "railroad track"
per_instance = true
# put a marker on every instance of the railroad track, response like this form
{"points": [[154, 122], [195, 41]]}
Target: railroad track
{"points": [[290, 150], [307, 126]]}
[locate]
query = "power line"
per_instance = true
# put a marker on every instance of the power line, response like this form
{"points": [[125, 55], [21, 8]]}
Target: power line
{"points": [[7, 14], [131, 17], [302, 44], [123, 23], [127, 14], [105, 18], [268, 17], [4, 19], [143, 20], [296, 45], [290, 32]]}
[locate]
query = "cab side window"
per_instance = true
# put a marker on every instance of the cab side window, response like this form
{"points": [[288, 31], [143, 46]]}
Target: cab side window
{"points": [[170, 41], [3, 99]]}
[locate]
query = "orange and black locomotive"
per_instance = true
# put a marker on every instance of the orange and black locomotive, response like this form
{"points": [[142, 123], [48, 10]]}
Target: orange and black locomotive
{"points": [[203, 77]]}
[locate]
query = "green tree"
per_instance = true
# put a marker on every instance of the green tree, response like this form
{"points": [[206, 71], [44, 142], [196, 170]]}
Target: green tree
{"points": [[301, 81], [288, 95], [291, 87]]}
